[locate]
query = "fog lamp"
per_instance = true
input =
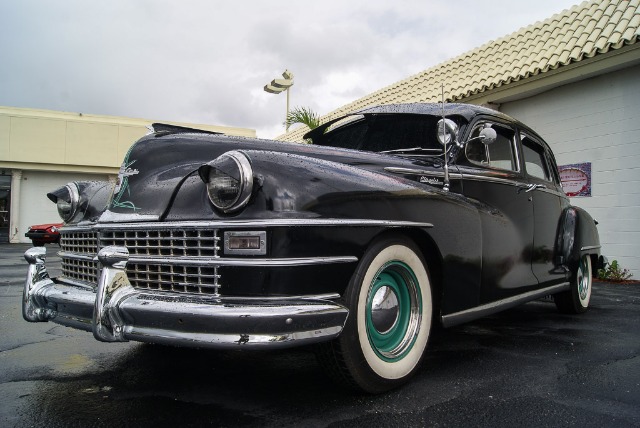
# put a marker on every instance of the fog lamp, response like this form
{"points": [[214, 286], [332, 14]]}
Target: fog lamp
{"points": [[245, 243]]}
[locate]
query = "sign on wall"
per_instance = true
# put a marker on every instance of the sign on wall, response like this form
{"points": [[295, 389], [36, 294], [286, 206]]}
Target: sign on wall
{"points": [[576, 179]]}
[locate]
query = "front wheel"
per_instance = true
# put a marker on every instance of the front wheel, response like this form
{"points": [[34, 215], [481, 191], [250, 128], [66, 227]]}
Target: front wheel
{"points": [[576, 300], [390, 310]]}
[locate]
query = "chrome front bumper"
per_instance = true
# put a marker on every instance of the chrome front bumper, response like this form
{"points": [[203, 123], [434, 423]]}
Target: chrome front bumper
{"points": [[116, 312]]}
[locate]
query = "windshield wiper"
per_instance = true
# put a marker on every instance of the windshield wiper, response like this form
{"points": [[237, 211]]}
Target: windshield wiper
{"points": [[419, 151]]}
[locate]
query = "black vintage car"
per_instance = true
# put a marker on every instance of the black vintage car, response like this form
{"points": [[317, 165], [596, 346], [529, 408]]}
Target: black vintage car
{"points": [[395, 219]]}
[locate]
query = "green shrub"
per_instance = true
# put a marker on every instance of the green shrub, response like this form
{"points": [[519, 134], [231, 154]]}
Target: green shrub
{"points": [[613, 272]]}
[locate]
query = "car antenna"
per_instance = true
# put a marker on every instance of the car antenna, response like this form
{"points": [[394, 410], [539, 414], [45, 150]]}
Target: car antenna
{"points": [[444, 140]]}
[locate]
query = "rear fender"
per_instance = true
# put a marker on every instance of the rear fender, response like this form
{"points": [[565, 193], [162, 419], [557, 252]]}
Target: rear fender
{"points": [[578, 235]]}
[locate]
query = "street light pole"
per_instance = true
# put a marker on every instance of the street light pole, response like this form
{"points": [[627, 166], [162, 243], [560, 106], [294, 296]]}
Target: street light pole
{"points": [[281, 85]]}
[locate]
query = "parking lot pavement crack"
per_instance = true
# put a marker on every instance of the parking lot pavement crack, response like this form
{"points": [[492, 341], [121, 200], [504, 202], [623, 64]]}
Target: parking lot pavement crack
{"points": [[22, 345]]}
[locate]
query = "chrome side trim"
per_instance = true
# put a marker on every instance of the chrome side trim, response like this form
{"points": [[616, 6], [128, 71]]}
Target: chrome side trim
{"points": [[211, 261], [243, 224], [244, 300], [590, 247], [411, 171], [456, 175], [500, 305], [223, 261], [472, 176]]}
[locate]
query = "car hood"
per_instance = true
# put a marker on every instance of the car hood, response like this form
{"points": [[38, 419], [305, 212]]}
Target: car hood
{"points": [[160, 171]]}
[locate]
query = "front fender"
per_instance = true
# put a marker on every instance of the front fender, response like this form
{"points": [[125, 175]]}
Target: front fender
{"points": [[306, 186]]}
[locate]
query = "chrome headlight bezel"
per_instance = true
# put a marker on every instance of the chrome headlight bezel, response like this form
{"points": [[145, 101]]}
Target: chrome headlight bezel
{"points": [[229, 181], [67, 200]]}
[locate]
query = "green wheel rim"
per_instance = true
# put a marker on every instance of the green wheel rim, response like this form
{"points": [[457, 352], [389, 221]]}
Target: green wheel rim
{"points": [[397, 281]]}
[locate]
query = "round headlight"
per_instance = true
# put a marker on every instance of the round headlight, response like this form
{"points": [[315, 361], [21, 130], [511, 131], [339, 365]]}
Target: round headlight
{"points": [[67, 199], [229, 180]]}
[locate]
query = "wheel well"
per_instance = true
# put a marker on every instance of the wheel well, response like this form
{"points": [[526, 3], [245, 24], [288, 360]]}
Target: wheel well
{"points": [[432, 257]]}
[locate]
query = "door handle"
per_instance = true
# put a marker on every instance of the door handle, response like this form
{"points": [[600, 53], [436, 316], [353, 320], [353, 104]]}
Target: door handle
{"points": [[530, 187]]}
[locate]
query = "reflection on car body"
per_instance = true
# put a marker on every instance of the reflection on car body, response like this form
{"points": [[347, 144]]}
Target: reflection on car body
{"points": [[395, 218]]}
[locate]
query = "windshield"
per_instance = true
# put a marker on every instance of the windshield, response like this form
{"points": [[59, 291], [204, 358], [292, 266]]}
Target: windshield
{"points": [[402, 134]]}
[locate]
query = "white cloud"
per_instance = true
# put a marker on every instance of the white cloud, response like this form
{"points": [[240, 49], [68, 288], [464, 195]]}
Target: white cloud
{"points": [[206, 62]]}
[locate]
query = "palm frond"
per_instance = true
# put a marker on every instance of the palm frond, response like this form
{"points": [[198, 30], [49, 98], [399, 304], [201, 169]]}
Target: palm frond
{"points": [[303, 115]]}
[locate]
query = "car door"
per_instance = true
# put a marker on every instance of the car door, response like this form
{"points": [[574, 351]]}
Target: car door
{"points": [[549, 201], [492, 174]]}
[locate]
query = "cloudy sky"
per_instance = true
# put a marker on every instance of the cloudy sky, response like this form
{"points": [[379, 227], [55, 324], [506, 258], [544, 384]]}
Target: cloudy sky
{"points": [[206, 61]]}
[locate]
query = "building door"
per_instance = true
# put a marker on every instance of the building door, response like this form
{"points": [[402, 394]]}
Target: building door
{"points": [[5, 199]]}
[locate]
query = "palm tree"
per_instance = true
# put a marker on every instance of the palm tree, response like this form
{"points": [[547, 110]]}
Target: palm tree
{"points": [[302, 115]]}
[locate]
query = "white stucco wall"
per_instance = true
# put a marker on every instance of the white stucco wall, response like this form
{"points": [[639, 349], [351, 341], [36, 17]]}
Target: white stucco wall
{"points": [[598, 120]]}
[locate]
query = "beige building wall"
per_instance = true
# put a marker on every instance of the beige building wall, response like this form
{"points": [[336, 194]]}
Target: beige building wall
{"points": [[58, 141]]}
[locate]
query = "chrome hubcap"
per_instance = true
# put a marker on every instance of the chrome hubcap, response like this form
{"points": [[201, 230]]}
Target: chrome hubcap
{"points": [[384, 309], [583, 278], [393, 311]]}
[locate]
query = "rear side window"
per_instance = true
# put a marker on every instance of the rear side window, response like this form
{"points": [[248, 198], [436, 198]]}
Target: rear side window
{"points": [[535, 160]]}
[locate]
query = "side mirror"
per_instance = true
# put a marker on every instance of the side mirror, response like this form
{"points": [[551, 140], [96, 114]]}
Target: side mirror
{"points": [[447, 131], [488, 136]]}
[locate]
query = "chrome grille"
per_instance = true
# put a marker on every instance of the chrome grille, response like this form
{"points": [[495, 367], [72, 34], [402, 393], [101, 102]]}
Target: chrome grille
{"points": [[80, 270], [79, 242], [84, 243], [182, 279], [150, 243], [162, 243]]}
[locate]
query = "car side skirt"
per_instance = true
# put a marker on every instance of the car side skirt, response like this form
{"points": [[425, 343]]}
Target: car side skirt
{"points": [[500, 305]]}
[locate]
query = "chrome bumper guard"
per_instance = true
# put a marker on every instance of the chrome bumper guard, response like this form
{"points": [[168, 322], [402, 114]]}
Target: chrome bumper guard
{"points": [[116, 312]]}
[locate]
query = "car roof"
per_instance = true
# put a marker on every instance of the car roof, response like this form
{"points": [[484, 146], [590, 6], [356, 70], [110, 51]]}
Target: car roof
{"points": [[468, 111]]}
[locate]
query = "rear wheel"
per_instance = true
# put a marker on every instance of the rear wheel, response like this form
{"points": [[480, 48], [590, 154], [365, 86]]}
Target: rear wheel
{"points": [[576, 300], [390, 309]]}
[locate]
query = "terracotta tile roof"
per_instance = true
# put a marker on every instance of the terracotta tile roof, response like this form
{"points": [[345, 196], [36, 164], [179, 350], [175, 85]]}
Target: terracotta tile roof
{"points": [[583, 31]]}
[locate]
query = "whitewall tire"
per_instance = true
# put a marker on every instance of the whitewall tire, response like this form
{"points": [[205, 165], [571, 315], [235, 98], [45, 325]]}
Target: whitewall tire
{"points": [[390, 313], [576, 300]]}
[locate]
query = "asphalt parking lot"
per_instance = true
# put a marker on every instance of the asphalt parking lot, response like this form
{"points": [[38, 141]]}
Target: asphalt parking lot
{"points": [[529, 366]]}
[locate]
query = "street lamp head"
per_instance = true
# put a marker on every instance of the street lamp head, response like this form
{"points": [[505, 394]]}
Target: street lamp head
{"points": [[281, 85], [273, 90]]}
